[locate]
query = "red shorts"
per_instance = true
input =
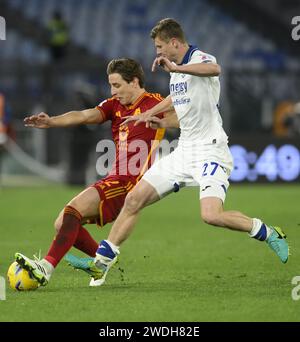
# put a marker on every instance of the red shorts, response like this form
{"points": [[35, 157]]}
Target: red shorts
{"points": [[112, 191]]}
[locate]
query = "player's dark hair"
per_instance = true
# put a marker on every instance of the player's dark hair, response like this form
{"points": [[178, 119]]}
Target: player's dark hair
{"points": [[128, 69], [167, 29]]}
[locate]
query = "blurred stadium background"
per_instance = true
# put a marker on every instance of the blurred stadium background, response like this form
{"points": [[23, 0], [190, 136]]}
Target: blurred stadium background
{"points": [[251, 40]]}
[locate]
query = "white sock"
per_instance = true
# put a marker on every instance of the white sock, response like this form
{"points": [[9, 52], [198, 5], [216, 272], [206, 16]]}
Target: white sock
{"points": [[114, 248], [101, 259], [256, 227], [48, 267]]}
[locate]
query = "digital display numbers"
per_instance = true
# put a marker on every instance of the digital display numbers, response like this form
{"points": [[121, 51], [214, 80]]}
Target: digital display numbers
{"points": [[272, 164]]}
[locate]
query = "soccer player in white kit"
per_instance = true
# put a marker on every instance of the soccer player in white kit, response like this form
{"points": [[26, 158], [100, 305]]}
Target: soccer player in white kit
{"points": [[202, 155]]}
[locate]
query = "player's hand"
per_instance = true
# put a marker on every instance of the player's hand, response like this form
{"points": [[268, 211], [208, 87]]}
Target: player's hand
{"points": [[165, 63], [140, 118], [128, 119], [154, 122], [41, 120]]}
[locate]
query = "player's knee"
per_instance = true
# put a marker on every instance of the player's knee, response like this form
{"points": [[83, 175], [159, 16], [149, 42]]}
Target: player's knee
{"points": [[57, 224], [82, 207], [132, 203], [75, 203], [211, 218]]}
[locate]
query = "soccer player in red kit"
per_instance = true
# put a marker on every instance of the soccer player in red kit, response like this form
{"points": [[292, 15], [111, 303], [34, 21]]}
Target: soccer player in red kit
{"points": [[102, 201]]}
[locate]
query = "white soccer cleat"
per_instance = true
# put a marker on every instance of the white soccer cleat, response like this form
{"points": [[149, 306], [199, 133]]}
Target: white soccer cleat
{"points": [[103, 265], [105, 258], [35, 268], [98, 282]]}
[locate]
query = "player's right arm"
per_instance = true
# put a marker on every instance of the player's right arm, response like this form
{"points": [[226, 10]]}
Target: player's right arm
{"points": [[73, 118], [169, 120], [164, 106]]}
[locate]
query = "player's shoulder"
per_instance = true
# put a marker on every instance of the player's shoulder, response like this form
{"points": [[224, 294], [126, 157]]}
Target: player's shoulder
{"points": [[108, 107], [110, 100], [202, 56]]}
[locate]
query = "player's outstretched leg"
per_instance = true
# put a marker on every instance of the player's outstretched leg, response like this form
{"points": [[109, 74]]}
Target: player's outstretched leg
{"points": [[142, 195], [69, 233], [212, 213], [41, 270]]}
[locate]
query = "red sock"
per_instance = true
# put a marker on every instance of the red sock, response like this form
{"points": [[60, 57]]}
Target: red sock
{"points": [[66, 237], [85, 242]]}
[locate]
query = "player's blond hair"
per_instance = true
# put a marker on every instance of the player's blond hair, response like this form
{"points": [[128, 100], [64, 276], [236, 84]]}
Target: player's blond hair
{"points": [[128, 68], [166, 29]]}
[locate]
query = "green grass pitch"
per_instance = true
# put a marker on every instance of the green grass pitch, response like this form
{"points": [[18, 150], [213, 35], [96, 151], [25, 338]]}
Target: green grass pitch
{"points": [[176, 268]]}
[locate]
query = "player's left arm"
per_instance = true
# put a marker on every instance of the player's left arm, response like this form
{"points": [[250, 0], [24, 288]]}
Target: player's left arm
{"points": [[199, 69], [203, 69], [161, 107]]}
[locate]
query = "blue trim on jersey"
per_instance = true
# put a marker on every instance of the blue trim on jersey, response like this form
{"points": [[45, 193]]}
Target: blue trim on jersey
{"points": [[187, 57], [176, 187]]}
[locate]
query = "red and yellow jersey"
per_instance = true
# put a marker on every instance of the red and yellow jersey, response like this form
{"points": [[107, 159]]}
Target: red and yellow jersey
{"points": [[135, 145]]}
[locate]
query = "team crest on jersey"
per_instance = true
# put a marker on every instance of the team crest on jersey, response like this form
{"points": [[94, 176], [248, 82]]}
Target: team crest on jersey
{"points": [[123, 134]]}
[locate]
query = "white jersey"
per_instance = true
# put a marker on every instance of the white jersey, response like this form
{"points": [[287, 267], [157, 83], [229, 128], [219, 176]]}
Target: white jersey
{"points": [[202, 156], [195, 100]]}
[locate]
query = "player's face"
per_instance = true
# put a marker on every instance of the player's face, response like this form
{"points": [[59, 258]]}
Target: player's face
{"points": [[166, 49], [121, 90]]}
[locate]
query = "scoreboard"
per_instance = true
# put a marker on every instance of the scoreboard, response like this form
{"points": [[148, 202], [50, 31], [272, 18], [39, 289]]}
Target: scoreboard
{"points": [[265, 160]]}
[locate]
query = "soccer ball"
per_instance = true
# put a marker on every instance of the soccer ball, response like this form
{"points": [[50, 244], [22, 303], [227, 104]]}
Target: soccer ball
{"points": [[19, 279]]}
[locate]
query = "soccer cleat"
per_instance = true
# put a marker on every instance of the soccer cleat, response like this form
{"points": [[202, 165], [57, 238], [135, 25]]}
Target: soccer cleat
{"points": [[277, 242], [98, 274], [35, 268], [103, 265], [105, 258], [85, 264]]}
